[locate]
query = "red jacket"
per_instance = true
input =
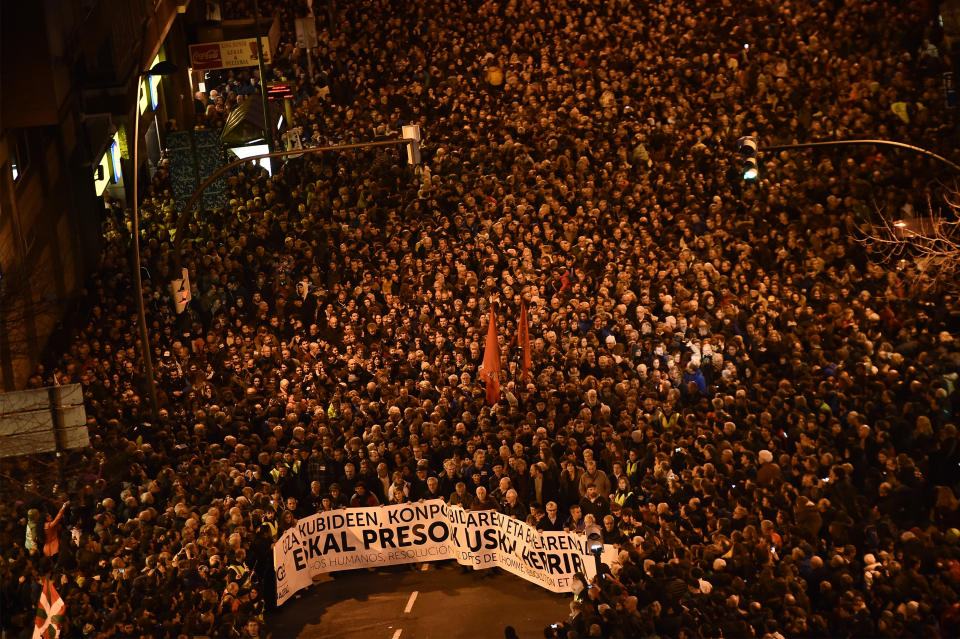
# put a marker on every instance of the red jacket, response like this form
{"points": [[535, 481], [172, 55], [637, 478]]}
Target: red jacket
{"points": [[51, 534]]}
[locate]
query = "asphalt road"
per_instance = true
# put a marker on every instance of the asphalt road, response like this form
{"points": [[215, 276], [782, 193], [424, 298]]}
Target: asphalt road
{"points": [[448, 604]]}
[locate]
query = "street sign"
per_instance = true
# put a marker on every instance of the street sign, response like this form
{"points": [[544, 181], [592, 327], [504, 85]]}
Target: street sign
{"points": [[306, 32], [291, 141]]}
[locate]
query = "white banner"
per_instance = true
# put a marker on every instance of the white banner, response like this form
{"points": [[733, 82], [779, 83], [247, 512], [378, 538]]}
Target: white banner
{"points": [[428, 531]]}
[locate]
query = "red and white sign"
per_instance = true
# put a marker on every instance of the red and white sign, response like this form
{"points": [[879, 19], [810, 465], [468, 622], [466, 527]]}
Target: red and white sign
{"points": [[228, 54]]}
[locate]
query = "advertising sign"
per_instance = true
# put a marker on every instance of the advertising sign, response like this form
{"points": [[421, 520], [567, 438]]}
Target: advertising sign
{"points": [[183, 173], [428, 531], [228, 54]]}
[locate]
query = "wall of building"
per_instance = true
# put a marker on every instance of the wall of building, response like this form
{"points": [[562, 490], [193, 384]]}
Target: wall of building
{"points": [[70, 80], [40, 253]]}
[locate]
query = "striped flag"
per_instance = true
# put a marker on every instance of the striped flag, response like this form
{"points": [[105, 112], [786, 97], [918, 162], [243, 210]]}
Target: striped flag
{"points": [[50, 613]]}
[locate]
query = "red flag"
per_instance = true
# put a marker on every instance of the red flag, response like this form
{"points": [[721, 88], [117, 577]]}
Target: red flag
{"points": [[524, 342], [491, 361]]}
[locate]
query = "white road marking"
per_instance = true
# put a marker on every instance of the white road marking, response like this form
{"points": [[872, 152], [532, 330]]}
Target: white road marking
{"points": [[396, 635], [413, 597]]}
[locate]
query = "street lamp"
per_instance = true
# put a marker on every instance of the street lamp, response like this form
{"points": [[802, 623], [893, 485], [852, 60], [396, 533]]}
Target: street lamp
{"points": [[164, 67]]}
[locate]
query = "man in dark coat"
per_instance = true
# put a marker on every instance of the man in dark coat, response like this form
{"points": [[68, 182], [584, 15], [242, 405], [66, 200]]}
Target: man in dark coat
{"points": [[541, 488], [594, 504], [552, 520]]}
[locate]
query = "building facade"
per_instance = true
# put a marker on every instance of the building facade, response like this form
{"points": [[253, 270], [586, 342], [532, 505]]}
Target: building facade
{"points": [[71, 87]]}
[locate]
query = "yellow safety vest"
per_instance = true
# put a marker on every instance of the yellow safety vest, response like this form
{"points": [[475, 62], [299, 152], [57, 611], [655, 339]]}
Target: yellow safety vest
{"points": [[273, 527], [238, 570]]}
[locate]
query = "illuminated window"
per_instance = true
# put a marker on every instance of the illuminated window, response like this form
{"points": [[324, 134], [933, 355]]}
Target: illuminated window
{"points": [[150, 89], [144, 94], [101, 174], [115, 162], [153, 82]]}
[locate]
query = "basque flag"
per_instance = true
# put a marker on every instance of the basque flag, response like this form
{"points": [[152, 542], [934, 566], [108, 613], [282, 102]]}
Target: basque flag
{"points": [[50, 613]]}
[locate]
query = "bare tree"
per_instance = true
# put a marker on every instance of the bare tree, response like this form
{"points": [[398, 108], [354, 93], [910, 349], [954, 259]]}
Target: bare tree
{"points": [[925, 249]]}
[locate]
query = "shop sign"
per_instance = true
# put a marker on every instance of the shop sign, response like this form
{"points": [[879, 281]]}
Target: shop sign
{"points": [[228, 54]]}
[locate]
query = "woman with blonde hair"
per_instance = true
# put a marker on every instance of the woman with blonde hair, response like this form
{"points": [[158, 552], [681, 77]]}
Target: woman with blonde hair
{"points": [[399, 491]]}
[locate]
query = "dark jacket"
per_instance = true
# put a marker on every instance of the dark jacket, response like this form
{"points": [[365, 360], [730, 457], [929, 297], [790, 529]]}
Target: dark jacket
{"points": [[548, 491], [599, 508]]}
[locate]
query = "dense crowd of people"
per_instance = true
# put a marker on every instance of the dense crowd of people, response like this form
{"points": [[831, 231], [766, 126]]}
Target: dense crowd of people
{"points": [[723, 384]]}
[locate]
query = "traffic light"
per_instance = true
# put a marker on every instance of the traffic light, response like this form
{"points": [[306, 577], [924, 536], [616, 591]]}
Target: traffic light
{"points": [[412, 132], [747, 148]]}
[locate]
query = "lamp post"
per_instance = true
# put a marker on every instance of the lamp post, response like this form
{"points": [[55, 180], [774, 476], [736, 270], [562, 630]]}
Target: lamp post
{"points": [[267, 124], [595, 546], [161, 68]]}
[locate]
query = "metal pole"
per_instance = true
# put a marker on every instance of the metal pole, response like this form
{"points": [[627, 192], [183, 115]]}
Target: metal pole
{"points": [[267, 124], [288, 111], [196, 161], [184, 216], [137, 279], [810, 145]]}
